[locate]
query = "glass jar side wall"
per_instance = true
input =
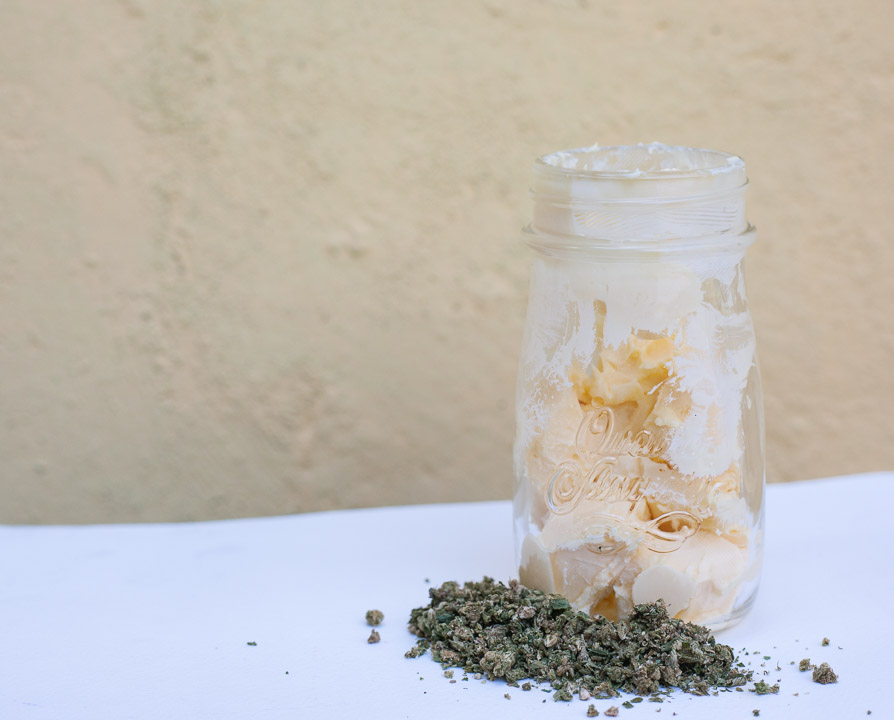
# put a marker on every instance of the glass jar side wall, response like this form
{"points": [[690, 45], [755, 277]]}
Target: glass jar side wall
{"points": [[639, 453]]}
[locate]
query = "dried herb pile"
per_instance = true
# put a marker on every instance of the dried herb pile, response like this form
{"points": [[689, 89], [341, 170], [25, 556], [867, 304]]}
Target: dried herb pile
{"points": [[516, 633]]}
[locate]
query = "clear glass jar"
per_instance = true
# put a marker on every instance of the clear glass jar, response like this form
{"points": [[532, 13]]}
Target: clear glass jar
{"points": [[639, 453]]}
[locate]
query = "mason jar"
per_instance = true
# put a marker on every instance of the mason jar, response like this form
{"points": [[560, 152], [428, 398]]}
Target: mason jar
{"points": [[639, 453]]}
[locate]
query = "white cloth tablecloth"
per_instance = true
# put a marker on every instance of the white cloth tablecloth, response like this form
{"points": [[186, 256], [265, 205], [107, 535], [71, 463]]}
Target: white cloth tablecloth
{"points": [[154, 621]]}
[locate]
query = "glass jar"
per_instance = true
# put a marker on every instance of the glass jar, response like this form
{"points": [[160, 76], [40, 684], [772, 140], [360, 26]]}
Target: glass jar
{"points": [[639, 454]]}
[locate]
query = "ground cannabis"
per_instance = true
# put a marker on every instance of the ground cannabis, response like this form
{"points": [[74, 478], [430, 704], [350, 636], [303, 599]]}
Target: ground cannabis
{"points": [[592, 711], [374, 617], [612, 711], [825, 642], [805, 665], [515, 633], [761, 688], [373, 637], [824, 674]]}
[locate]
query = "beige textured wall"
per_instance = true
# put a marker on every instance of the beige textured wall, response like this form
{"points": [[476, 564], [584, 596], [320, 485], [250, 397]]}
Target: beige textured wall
{"points": [[262, 257]]}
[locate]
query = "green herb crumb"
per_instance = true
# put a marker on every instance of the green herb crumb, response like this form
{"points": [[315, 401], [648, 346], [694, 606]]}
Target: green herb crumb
{"points": [[592, 711], [373, 637], [252, 643], [825, 642], [612, 711], [824, 674], [374, 617], [761, 688], [805, 665]]}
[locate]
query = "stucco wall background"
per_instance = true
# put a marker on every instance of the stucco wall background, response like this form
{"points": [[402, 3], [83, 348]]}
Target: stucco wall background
{"points": [[263, 257]]}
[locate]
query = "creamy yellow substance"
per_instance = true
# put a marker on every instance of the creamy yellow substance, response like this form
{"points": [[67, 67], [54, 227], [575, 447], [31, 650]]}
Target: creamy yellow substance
{"points": [[624, 525]]}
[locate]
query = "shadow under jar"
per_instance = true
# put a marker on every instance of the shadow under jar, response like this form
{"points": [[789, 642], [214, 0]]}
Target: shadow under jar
{"points": [[639, 453]]}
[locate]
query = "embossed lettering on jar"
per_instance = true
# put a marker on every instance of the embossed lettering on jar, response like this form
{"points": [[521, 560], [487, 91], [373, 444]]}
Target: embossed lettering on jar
{"points": [[639, 448]]}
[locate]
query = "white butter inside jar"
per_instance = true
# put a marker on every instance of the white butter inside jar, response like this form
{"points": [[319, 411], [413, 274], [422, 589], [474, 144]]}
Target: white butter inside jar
{"points": [[639, 447]]}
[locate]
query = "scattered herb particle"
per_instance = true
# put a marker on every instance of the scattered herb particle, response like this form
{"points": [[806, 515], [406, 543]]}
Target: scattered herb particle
{"points": [[448, 673], [756, 713], [761, 688], [251, 643], [508, 696], [656, 698], [627, 704], [418, 649], [374, 617], [373, 637], [825, 641], [805, 665], [824, 674], [592, 711], [526, 686], [583, 694], [636, 700], [766, 657], [612, 711]]}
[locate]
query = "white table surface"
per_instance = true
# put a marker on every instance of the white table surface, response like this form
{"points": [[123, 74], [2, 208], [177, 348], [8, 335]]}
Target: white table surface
{"points": [[153, 621]]}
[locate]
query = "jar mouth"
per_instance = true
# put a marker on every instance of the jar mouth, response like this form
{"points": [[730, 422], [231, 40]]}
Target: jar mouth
{"points": [[644, 171], [636, 194]]}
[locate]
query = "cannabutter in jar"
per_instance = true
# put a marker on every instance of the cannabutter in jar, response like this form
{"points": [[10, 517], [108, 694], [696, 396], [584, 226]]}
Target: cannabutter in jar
{"points": [[639, 448]]}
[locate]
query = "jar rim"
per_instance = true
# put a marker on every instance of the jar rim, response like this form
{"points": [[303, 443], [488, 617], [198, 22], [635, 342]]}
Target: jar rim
{"points": [[639, 193], [645, 171], [652, 161]]}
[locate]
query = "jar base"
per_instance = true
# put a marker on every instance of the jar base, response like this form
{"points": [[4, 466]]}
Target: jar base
{"points": [[732, 618]]}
